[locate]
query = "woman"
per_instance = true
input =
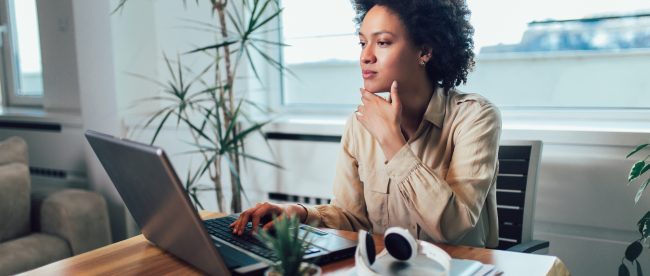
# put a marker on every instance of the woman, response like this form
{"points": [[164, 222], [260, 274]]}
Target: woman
{"points": [[424, 159]]}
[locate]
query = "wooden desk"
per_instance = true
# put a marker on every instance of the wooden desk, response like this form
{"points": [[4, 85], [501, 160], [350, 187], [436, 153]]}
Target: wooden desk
{"points": [[136, 256]]}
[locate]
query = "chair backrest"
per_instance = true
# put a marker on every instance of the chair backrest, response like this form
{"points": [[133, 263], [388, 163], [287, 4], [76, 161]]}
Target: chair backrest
{"points": [[518, 165]]}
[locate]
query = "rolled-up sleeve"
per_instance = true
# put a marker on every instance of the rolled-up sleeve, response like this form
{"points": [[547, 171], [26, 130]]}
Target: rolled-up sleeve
{"points": [[448, 206], [347, 211]]}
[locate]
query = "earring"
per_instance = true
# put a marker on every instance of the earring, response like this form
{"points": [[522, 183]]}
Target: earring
{"points": [[422, 62]]}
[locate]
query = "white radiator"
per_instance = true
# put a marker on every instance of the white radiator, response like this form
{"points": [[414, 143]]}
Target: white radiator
{"points": [[56, 151]]}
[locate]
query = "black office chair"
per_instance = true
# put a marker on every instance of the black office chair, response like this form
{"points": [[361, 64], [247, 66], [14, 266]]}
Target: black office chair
{"points": [[516, 185]]}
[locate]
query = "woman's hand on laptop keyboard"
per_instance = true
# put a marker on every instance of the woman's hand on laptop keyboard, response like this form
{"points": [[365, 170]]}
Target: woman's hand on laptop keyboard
{"points": [[261, 214]]}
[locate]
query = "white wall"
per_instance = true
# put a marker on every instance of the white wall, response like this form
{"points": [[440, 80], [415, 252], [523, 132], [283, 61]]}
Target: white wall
{"points": [[97, 97], [59, 55]]}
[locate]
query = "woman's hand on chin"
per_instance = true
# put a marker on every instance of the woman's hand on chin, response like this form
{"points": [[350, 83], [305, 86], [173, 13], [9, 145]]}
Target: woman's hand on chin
{"points": [[382, 118]]}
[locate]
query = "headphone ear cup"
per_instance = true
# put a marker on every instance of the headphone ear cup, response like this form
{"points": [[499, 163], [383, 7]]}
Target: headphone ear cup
{"points": [[365, 255], [370, 248], [400, 244]]}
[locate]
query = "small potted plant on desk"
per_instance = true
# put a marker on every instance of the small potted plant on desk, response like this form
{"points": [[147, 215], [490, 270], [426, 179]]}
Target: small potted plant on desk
{"points": [[289, 246]]}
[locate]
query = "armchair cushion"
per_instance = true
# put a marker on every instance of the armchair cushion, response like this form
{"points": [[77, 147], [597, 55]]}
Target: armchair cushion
{"points": [[13, 150], [31, 251], [15, 186], [78, 216]]}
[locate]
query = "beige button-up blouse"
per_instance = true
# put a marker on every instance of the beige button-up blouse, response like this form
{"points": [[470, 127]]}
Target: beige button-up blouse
{"points": [[440, 185]]}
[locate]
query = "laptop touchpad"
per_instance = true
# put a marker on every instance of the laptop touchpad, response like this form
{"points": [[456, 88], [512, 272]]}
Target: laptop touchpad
{"points": [[233, 257]]}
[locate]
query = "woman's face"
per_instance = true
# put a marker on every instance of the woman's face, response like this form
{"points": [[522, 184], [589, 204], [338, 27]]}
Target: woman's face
{"points": [[387, 54]]}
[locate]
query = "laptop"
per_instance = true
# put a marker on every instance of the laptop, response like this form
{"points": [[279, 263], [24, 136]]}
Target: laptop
{"points": [[154, 195]]}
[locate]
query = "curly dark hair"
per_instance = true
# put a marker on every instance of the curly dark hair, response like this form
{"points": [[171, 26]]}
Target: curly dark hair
{"points": [[442, 25]]}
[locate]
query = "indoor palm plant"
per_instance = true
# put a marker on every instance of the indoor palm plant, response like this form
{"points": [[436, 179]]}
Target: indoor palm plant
{"points": [[214, 114], [289, 245], [634, 250]]}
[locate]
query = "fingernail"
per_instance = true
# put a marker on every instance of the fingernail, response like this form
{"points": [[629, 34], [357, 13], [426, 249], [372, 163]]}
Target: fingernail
{"points": [[395, 83]]}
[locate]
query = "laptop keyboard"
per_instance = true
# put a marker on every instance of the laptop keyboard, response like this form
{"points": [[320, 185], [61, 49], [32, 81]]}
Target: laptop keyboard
{"points": [[220, 227]]}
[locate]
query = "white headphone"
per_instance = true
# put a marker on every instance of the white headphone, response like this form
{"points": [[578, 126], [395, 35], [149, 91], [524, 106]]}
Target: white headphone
{"points": [[403, 248]]}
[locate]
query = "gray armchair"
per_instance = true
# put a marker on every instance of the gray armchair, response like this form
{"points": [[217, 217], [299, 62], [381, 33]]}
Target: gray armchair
{"points": [[38, 227]]}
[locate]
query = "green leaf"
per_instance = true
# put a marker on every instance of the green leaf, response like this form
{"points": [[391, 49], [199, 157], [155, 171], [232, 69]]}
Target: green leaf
{"points": [[644, 225], [248, 156], [645, 169], [196, 199], [234, 22], [208, 164], [277, 65], [287, 243], [259, 107], [160, 126], [203, 24], [198, 131], [635, 150], [252, 64], [275, 43], [234, 172], [640, 191], [157, 114], [251, 20], [188, 181], [203, 148], [147, 78], [636, 170], [239, 24], [216, 124], [633, 251], [195, 151], [201, 73], [169, 66], [242, 135], [215, 46], [149, 99], [120, 5], [195, 177], [267, 20], [180, 76], [623, 271], [233, 122]]}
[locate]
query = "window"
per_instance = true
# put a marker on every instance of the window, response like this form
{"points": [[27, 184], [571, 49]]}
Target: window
{"points": [[562, 54], [324, 46], [21, 55], [544, 54]]}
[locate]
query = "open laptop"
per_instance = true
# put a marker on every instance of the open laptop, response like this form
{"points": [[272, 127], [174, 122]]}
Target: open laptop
{"points": [[154, 195]]}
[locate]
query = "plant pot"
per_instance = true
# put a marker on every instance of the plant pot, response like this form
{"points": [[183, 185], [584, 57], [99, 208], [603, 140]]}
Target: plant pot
{"points": [[313, 270]]}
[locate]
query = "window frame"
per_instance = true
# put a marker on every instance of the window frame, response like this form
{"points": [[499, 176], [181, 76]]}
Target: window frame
{"points": [[9, 67]]}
